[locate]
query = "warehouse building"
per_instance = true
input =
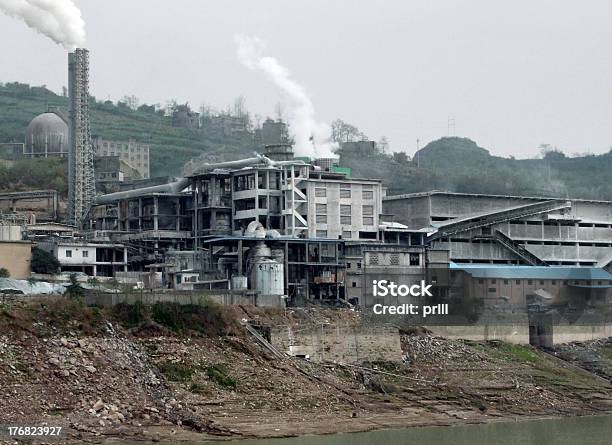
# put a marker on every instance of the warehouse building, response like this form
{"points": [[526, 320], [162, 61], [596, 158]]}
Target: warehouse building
{"points": [[495, 229]]}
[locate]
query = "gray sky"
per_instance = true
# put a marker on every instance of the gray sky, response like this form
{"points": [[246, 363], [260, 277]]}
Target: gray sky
{"points": [[513, 74]]}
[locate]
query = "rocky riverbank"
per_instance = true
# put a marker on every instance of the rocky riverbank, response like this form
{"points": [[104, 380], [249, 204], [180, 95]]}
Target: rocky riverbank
{"points": [[172, 375]]}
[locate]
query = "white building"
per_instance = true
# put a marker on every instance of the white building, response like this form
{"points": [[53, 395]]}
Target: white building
{"points": [[91, 259]]}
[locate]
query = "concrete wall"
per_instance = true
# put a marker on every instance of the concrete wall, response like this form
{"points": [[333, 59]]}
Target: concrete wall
{"points": [[15, 256], [570, 333], [342, 344], [185, 297], [517, 333]]}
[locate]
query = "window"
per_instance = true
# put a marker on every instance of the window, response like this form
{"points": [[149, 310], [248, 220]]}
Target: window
{"points": [[493, 281], [354, 284], [346, 220], [530, 282], [368, 221], [480, 281], [518, 281], [367, 194], [320, 192], [345, 210], [415, 259], [541, 282], [506, 282], [359, 265], [321, 219], [345, 193], [68, 253], [85, 253], [321, 209], [553, 282], [492, 289], [321, 233], [348, 265], [368, 210], [347, 234]]}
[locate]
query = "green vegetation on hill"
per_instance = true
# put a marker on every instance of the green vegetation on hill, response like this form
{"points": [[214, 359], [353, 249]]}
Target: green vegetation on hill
{"points": [[453, 164], [459, 165], [171, 147]]}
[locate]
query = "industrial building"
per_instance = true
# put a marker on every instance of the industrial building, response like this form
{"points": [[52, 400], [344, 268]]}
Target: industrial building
{"points": [[305, 213], [493, 229], [133, 153], [111, 171]]}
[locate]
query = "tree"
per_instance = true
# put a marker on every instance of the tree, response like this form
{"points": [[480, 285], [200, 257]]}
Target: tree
{"points": [[240, 106], [344, 132], [74, 289], [4, 273], [400, 157], [132, 102], [43, 261], [383, 145]]}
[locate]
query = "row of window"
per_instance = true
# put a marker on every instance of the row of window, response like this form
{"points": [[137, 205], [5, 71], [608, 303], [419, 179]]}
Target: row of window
{"points": [[346, 220], [346, 234], [84, 253], [345, 214], [345, 193], [543, 282], [124, 146]]}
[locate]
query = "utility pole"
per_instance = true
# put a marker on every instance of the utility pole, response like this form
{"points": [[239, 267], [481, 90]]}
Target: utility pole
{"points": [[451, 124], [417, 153]]}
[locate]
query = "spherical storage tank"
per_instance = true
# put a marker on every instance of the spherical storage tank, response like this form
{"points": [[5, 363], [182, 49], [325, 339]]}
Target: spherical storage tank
{"points": [[47, 135], [268, 277]]}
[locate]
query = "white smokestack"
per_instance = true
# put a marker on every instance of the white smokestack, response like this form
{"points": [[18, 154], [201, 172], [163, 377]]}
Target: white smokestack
{"points": [[58, 19], [312, 138]]}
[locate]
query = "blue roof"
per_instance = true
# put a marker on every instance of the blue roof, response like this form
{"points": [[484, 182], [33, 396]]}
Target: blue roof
{"points": [[535, 272]]}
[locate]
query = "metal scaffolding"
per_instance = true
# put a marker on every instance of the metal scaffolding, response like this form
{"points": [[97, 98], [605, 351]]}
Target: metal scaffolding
{"points": [[81, 179]]}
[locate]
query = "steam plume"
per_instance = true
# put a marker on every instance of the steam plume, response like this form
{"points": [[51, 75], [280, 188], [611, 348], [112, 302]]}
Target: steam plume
{"points": [[58, 19], [311, 137]]}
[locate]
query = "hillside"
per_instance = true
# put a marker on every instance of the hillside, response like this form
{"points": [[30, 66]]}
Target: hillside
{"points": [[171, 147], [460, 165], [454, 164]]}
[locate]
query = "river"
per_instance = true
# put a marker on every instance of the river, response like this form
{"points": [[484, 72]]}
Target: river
{"points": [[563, 431]]}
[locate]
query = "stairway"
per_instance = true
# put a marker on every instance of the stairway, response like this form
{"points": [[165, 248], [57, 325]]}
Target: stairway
{"points": [[518, 249]]}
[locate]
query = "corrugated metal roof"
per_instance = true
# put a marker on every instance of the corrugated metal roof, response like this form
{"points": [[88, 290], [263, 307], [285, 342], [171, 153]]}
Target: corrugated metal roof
{"points": [[543, 272]]}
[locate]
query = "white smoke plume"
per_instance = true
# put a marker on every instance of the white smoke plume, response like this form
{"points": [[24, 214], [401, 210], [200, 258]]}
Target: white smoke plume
{"points": [[312, 138], [58, 19]]}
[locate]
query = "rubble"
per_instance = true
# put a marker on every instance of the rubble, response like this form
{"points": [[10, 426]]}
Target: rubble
{"points": [[109, 382]]}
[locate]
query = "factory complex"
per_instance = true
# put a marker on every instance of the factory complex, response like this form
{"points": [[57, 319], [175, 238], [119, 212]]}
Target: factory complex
{"points": [[280, 230]]}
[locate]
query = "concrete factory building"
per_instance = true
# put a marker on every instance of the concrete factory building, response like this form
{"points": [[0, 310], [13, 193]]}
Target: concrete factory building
{"points": [[47, 135], [495, 229], [133, 153]]}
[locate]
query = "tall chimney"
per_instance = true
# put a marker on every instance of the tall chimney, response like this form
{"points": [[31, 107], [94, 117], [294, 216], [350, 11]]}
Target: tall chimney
{"points": [[81, 179]]}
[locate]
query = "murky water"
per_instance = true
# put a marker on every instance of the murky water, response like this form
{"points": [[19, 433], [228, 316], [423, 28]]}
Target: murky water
{"points": [[566, 431]]}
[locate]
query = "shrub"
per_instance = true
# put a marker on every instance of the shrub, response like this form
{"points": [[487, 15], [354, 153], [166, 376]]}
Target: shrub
{"points": [[177, 372], [4, 273], [74, 289], [43, 261], [130, 315], [218, 374]]}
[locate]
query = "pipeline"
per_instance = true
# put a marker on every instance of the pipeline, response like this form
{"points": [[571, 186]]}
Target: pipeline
{"points": [[181, 184]]}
